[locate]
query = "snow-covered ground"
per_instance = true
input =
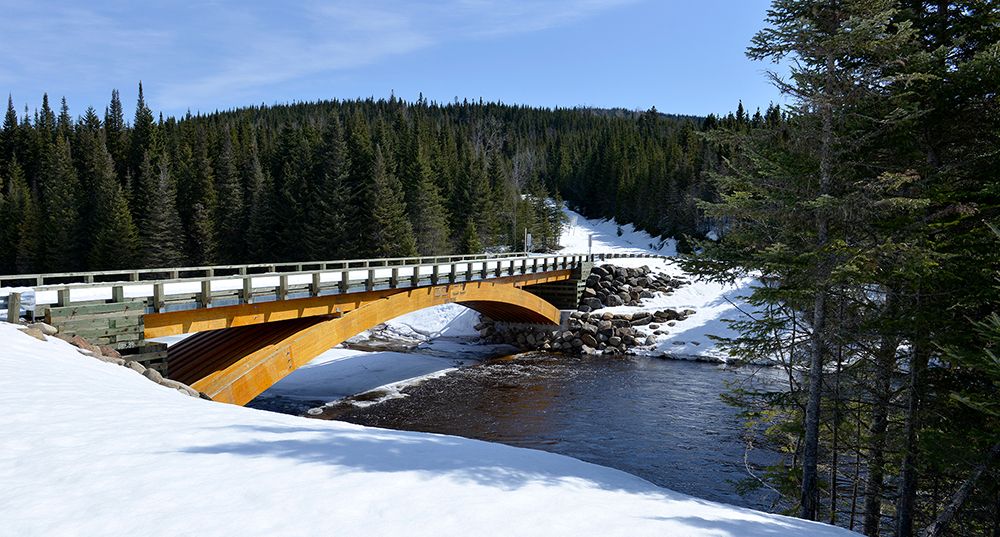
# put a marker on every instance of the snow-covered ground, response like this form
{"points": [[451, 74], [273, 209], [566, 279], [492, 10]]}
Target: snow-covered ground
{"points": [[91, 448], [712, 302], [443, 338], [578, 230]]}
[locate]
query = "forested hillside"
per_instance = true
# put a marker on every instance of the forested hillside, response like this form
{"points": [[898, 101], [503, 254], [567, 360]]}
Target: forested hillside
{"points": [[334, 179]]}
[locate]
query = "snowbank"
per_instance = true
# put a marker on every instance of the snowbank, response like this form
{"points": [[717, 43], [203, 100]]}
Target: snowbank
{"points": [[90, 448], [576, 236], [444, 335], [340, 373]]}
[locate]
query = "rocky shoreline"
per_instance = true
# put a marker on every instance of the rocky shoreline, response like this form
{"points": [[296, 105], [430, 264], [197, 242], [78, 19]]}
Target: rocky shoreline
{"points": [[610, 285], [589, 331]]}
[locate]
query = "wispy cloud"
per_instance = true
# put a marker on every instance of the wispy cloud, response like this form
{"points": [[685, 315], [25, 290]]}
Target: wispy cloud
{"points": [[322, 40], [228, 50]]}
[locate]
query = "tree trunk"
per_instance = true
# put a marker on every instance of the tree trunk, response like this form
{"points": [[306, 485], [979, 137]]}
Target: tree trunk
{"points": [[938, 527], [810, 455], [908, 485], [835, 444], [877, 436]]}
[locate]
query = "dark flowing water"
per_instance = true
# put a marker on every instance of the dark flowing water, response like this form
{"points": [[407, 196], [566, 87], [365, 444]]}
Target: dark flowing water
{"points": [[659, 419]]}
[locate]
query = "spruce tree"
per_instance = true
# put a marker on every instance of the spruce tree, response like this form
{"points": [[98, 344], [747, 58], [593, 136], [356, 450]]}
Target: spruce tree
{"points": [[116, 137], [64, 124], [796, 205], [469, 243], [427, 211], [326, 230], [30, 254], [201, 235], [62, 214], [8, 133], [115, 240], [16, 208], [230, 217], [259, 236], [160, 230], [141, 140], [198, 201], [360, 166], [390, 232]]}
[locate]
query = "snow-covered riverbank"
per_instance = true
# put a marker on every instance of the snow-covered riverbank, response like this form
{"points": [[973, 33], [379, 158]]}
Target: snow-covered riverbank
{"points": [[90, 448]]}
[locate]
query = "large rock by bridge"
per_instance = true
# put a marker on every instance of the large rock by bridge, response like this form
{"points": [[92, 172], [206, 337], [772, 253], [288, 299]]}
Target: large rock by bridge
{"points": [[610, 286], [588, 331]]}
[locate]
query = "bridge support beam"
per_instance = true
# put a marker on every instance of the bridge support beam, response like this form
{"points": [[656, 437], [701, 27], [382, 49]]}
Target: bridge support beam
{"points": [[234, 365]]}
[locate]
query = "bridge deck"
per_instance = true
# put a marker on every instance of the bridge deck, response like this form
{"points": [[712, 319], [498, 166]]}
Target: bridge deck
{"points": [[299, 309]]}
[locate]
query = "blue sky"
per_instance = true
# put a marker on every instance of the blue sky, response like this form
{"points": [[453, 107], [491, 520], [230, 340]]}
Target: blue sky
{"points": [[677, 55]]}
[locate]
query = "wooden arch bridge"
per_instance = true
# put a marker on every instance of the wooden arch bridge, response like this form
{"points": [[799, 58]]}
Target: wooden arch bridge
{"points": [[255, 324]]}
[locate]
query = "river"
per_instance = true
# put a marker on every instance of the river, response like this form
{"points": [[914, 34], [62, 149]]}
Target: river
{"points": [[662, 420]]}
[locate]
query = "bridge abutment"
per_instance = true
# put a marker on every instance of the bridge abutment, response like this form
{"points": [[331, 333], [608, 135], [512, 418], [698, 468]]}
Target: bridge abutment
{"points": [[565, 294]]}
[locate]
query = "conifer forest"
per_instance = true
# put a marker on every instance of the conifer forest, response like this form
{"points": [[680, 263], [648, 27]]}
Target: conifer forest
{"points": [[330, 180], [867, 206]]}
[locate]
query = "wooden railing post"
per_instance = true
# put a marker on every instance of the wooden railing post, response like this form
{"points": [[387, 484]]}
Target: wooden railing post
{"points": [[345, 280], [205, 297], [394, 279], [118, 294], [158, 302], [283, 287], [314, 286], [246, 294], [62, 297], [436, 274], [453, 274], [13, 307], [415, 277], [370, 280]]}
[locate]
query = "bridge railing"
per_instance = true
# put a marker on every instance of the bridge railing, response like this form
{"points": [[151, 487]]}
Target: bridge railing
{"points": [[150, 274], [222, 285]]}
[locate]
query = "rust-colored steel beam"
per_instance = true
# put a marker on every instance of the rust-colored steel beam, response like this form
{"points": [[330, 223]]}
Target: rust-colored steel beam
{"points": [[236, 364]]}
